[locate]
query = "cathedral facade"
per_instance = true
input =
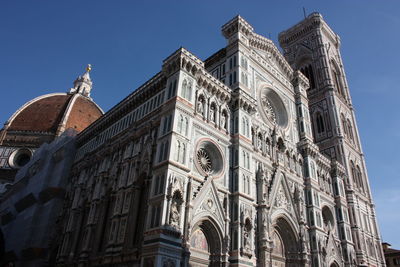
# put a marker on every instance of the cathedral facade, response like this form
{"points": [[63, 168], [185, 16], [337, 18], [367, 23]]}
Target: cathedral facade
{"points": [[249, 158]]}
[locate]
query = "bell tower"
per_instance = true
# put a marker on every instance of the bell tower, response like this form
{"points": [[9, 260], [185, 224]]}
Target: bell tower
{"points": [[314, 49]]}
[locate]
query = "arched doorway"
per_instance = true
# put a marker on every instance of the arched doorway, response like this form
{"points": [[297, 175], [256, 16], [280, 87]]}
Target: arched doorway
{"points": [[334, 264], [205, 245], [285, 250]]}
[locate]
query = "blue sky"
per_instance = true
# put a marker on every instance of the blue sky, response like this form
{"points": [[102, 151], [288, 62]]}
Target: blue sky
{"points": [[45, 45]]}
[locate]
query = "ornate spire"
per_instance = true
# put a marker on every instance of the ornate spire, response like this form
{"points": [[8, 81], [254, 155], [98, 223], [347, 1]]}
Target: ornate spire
{"points": [[83, 84]]}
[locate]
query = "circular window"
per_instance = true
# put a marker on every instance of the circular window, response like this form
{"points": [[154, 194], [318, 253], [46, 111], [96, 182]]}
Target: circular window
{"points": [[272, 108], [19, 158], [204, 160], [209, 160]]}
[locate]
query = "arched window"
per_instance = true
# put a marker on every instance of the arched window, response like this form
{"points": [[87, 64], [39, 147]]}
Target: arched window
{"points": [[186, 126], [166, 147], [308, 72], [320, 123], [180, 124], [359, 178], [337, 79], [344, 125], [184, 88], [354, 174], [244, 125], [350, 130], [178, 151]]}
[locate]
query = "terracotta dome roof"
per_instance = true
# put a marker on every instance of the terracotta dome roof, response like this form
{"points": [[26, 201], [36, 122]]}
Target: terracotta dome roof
{"points": [[53, 113]]}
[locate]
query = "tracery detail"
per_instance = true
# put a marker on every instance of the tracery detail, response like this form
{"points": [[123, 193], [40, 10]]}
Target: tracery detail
{"points": [[204, 160], [269, 110]]}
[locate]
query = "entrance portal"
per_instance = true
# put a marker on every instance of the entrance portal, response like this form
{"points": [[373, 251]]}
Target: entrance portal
{"points": [[205, 245], [285, 249]]}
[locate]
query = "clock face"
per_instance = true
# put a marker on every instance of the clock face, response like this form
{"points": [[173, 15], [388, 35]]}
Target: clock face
{"points": [[272, 108]]}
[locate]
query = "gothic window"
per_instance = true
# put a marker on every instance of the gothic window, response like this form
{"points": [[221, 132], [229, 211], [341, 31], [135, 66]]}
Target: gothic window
{"points": [[344, 124], [163, 151], [113, 231], [359, 178], [183, 124], [183, 153], [244, 79], [246, 160], [320, 123], [350, 130], [155, 215], [180, 124], [245, 127], [127, 202], [187, 90], [122, 228], [166, 146], [244, 179], [158, 184], [248, 185], [311, 218], [312, 169], [354, 174], [308, 72], [170, 90], [167, 124], [243, 62], [184, 88], [337, 79], [178, 151], [232, 62]]}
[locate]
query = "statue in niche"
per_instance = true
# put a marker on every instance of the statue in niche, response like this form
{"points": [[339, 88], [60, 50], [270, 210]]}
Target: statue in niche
{"points": [[223, 120], [175, 215], [246, 234], [212, 113], [200, 107]]}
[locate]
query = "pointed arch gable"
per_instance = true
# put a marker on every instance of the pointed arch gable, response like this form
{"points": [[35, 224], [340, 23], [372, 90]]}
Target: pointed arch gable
{"points": [[202, 207], [280, 183]]}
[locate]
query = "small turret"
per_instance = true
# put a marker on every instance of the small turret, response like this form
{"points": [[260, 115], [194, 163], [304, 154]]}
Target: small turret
{"points": [[83, 84]]}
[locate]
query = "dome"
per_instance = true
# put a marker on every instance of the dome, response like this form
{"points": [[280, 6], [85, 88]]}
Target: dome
{"points": [[46, 117], [42, 120], [53, 113]]}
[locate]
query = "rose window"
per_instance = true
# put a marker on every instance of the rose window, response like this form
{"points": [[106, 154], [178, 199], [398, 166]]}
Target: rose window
{"points": [[204, 160], [272, 108], [208, 158]]}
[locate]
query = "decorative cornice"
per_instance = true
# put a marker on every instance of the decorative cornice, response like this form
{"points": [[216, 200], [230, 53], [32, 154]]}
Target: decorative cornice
{"points": [[260, 42], [306, 26], [237, 24]]}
